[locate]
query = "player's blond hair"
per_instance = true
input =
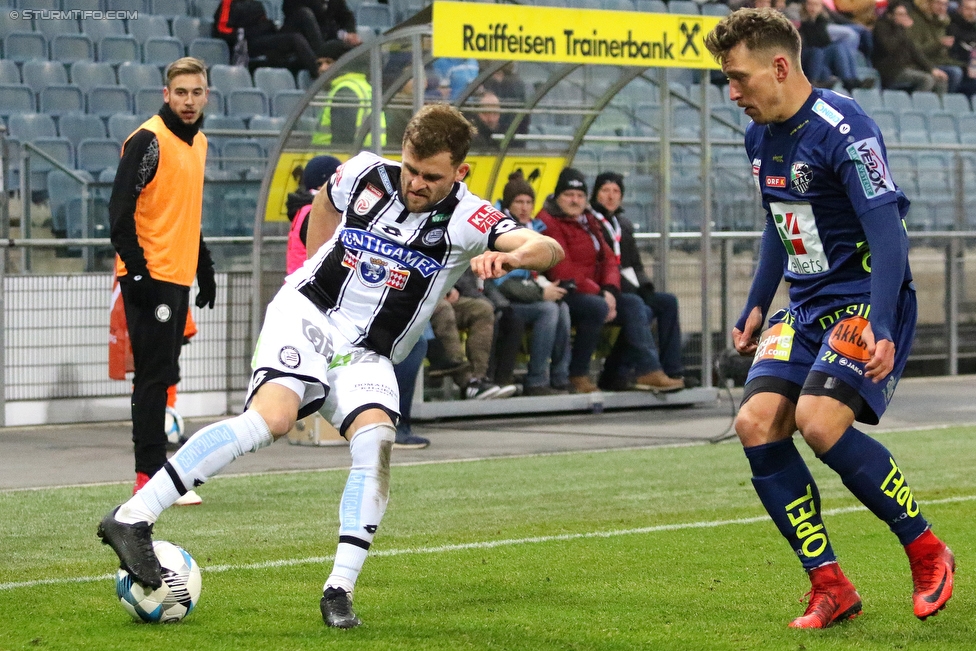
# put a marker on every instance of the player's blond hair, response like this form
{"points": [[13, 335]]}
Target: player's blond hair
{"points": [[439, 127], [765, 30], [185, 66]]}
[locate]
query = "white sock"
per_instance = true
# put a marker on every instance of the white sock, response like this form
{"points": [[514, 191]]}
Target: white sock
{"points": [[205, 454], [363, 501]]}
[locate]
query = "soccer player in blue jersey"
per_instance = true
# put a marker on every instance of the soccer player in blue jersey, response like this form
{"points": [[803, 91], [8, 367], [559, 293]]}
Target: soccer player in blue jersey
{"points": [[834, 229]]}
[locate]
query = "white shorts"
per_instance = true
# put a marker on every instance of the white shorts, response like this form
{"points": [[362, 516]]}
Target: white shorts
{"points": [[300, 348]]}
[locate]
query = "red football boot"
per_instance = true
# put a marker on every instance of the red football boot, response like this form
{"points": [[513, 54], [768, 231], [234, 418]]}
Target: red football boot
{"points": [[933, 570], [832, 599], [141, 479]]}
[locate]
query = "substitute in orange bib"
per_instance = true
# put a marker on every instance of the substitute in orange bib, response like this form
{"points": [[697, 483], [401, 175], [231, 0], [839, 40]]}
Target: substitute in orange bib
{"points": [[155, 214]]}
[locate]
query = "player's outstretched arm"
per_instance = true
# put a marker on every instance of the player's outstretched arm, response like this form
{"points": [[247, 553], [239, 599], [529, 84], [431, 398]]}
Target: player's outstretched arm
{"points": [[519, 249], [323, 220]]}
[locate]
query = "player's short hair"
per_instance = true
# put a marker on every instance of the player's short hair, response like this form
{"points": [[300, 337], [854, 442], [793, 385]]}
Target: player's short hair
{"points": [[764, 29], [439, 127], [185, 66]]}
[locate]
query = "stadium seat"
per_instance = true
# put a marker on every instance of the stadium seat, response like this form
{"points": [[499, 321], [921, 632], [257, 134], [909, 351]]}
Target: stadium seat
{"points": [[271, 80], [118, 49], [88, 74], [187, 28], [227, 78], [618, 5], [84, 5], [69, 48], [868, 99], [162, 51], [967, 128], [926, 101], [40, 4], [943, 129], [887, 121], [375, 15], [898, 100], [105, 101], [62, 188], [59, 149], [9, 25], [57, 100], [31, 126], [913, 127], [956, 103], [684, 7], [222, 122], [304, 79], [934, 175], [99, 29], [284, 102], [246, 102], [24, 46], [715, 9], [618, 159], [148, 27], [9, 72], [136, 76], [720, 130], [79, 126], [98, 218], [205, 8], [243, 156], [265, 123], [212, 51], [169, 8], [685, 122], [904, 171], [122, 125], [147, 101], [41, 74], [16, 98], [96, 154], [51, 28]]}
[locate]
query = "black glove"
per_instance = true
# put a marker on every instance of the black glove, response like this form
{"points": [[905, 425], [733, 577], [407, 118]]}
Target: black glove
{"points": [[207, 295], [143, 289]]}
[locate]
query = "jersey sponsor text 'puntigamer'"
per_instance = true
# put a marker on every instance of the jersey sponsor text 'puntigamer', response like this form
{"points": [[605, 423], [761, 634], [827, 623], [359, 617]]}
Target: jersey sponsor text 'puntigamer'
{"points": [[498, 39]]}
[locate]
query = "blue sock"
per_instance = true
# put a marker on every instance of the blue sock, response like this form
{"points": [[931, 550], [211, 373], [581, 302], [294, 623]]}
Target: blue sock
{"points": [[787, 490], [871, 474]]}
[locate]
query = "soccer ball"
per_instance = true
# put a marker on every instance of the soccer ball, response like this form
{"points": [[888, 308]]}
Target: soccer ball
{"points": [[173, 426], [172, 601]]}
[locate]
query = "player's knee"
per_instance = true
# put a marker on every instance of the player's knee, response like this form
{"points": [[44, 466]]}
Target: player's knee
{"points": [[371, 445], [756, 426]]}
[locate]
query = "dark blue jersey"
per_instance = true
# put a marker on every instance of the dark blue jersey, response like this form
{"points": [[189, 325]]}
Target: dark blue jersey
{"points": [[820, 172]]}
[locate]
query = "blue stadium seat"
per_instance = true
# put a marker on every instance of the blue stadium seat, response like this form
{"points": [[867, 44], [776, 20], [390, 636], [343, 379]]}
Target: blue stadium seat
{"points": [[265, 123], [956, 103], [16, 98], [9, 72], [58, 100], [304, 79], [211, 51], [31, 126], [84, 5], [169, 8], [98, 218], [375, 15], [935, 174], [618, 5], [926, 101], [247, 102], [222, 122], [88, 74], [24, 46], [79, 126], [59, 149], [162, 51], [943, 129], [242, 155], [118, 49], [99, 29], [105, 101], [714, 9], [10, 25], [52, 28], [284, 102], [913, 127], [868, 99], [618, 159], [62, 188], [887, 121], [904, 171], [685, 7], [215, 102], [898, 100], [41, 74], [122, 125], [187, 28], [68, 48], [271, 80], [205, 8], [147, 101], [722, 131], [685, 122], [96, 154], [226, 78], [148, 27], [136, 76], [141, 6], [40, 4]]}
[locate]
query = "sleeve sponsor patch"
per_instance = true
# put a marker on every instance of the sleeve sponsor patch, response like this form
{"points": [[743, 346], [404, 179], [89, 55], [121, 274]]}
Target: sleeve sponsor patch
{"points": [[872, 170], [485, 218], [831, 116]]}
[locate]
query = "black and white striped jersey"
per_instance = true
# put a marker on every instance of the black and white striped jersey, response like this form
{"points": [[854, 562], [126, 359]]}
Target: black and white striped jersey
{"points": [[381, 274]]}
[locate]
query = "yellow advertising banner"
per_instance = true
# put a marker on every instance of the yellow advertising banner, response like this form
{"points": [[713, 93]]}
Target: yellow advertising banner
{"points": [[556, 35]]}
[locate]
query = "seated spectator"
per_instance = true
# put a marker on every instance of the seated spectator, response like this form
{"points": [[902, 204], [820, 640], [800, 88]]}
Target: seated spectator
{"points": [[538, 302], [508, 331], [486, 121], [824, 59], [476, 315], [962, 29], [455, 75], [900, 63], [506, 84], [322, 23], [317, 173], [591, 266], [930, 21], [266, 46], [608, 194]]}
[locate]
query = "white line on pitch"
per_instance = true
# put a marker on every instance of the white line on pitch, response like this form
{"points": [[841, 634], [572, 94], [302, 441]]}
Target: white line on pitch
{"points": [[488, 544]]}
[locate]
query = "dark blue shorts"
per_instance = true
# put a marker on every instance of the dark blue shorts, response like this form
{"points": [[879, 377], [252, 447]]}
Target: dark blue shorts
{"points": [[826, 338]]}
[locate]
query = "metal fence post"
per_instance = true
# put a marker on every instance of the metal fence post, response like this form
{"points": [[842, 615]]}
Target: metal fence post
{"points": [[953, 260]]}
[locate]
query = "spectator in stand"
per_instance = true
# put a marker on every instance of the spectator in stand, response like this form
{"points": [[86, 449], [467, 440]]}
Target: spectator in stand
{"points": [[962, 28], [590, 265], [506, 84], [455, 75], [900, 63], [538, 302], [487, 121], [321, 23], [608, 195], [824, 59], [508, 332], [930, 21], [299, 203], [266, 46]]}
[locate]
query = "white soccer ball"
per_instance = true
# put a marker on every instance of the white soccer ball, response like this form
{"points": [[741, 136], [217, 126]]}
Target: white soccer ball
{"points": [[173, 426], [172, 601]]}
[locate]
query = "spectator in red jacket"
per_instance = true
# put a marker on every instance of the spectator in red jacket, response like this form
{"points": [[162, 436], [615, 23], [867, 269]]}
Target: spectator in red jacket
{"points": [[591, 265]]}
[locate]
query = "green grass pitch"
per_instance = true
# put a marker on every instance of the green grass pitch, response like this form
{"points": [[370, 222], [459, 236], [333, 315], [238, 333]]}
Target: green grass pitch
{"points": [[661, 549]]}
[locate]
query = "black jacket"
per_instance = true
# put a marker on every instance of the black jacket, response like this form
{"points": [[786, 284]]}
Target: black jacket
{"points": [[629, 253]]}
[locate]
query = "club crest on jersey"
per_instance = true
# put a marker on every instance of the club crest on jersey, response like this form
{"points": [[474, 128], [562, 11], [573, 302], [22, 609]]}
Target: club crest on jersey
{"points": [[800, 177], [485, 218], [368, 198], [290, 357], [360, 242], [871, 168], [375, 272], [433, 236]]}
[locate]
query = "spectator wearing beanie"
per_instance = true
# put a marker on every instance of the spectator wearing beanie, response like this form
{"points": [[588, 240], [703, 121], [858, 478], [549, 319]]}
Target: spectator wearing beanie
{"points": [[317, 173], [538, 302], [591, 265], [608, 194]]}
